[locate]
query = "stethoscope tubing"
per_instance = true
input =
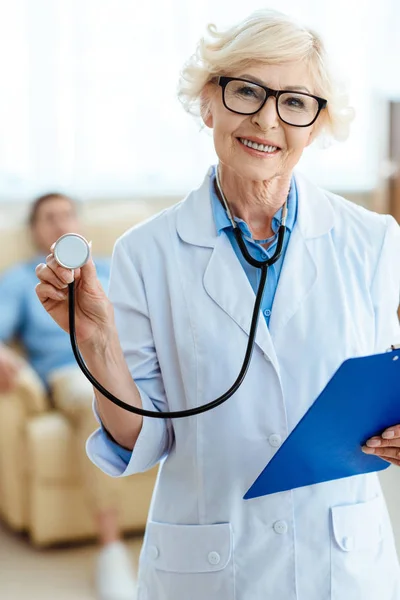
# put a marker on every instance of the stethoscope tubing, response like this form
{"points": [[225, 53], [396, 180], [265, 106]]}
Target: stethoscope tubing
{"points": [[180, 414]]}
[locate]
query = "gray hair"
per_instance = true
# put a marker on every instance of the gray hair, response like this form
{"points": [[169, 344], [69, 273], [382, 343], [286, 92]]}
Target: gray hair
{"points": [[268, 37]]}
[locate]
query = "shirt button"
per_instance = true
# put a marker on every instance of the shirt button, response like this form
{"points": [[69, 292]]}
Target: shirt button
{"points": [[280, 527], [267, 312], [275, 440], [153, 552], [214, 558], [348, 543]]}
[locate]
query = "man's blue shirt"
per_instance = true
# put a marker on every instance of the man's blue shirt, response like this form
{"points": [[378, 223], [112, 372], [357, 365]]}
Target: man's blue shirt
{"points": [[48, 347]]}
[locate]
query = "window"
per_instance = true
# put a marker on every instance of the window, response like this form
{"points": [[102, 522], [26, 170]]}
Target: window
{"points": [[81, 108]]}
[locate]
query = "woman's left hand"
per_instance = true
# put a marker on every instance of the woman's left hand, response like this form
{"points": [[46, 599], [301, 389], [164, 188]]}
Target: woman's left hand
{"points": [[386, 446]]}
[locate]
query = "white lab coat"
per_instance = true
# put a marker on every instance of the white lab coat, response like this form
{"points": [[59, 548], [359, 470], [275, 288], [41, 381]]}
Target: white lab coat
{"points": [[183, 306]]}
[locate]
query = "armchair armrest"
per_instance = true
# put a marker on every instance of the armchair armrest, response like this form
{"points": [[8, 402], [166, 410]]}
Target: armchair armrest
{"points": [[29, 390], [32, 392]]}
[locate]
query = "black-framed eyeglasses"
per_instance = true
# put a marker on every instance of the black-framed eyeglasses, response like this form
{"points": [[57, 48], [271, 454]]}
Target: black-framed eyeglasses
{"points": [[245, 97]]}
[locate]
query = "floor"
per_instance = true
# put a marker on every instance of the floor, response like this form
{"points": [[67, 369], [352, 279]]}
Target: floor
{"points": [[64, 573]]}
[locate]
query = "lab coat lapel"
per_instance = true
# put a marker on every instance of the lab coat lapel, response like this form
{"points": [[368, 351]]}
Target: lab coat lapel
{"points": [[225, 281], [224, 278], [299, 274], [296, 280]]}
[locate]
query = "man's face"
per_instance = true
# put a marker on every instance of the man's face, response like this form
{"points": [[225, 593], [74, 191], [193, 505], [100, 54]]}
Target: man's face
{"points": [[55, 217]]}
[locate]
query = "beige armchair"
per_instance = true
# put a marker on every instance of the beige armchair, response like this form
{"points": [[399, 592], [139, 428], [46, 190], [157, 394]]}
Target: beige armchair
{"points": [[40, 490]]}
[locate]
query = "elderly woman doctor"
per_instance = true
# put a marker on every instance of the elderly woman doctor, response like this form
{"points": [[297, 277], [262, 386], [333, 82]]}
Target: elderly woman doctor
{"points": [[173, 334]]}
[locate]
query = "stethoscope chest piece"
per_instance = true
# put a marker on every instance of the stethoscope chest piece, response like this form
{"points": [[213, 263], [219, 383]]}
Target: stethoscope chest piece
{"points": [[71, 251]]}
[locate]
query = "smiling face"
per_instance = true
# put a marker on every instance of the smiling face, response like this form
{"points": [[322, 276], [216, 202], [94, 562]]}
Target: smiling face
{"points": [[233, 132]]}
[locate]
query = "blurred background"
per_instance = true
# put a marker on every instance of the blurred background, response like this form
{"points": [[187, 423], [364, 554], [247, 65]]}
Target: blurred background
{"points": [[88, 94], [88, 107]]}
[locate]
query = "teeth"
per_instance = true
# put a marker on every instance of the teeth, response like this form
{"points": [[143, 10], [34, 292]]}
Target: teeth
{"points": [[261, 147]]}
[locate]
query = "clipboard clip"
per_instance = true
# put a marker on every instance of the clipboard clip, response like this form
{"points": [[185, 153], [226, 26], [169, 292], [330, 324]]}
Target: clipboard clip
{"points": [[393, 347]]}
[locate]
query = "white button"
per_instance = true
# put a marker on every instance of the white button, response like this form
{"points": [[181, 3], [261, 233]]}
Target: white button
{"points": [[153, 552], [275, 440], [267, 312], [214, 558], [348, 543], [280, 527]]}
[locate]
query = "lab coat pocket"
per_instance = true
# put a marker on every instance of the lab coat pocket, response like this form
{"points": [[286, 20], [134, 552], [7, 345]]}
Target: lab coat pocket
{"points": [[358, 559], [187, 561]]}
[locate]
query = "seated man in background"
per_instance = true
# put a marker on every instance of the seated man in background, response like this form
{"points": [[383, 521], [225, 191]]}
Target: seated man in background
{"points": [[50, 355]]}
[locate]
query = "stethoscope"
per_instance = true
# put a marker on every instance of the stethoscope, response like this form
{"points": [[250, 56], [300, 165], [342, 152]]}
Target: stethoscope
{"points": [[72, 251]]}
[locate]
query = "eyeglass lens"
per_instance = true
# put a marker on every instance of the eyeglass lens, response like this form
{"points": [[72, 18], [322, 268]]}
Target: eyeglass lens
{"points": [[293, 107]]}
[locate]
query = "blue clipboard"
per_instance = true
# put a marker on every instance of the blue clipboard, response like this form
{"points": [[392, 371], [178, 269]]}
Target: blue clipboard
{"points": [[361, 400]]}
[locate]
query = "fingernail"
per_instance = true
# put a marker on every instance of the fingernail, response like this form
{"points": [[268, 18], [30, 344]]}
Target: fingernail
{"points": [[388, 434], [367, 450], [61, 295], [373, 443]]}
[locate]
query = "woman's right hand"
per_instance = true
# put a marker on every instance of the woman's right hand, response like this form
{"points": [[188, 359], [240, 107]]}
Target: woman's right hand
{"points": [[93, 310]]}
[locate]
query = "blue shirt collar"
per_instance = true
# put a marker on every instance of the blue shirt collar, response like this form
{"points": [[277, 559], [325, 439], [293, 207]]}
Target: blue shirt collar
{"points": [[222, 221]]}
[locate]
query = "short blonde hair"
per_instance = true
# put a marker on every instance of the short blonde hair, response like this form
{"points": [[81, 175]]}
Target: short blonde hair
{"points": [[268, 37]]}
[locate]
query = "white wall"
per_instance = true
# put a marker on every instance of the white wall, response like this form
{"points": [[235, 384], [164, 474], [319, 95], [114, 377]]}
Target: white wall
{"points": [[88, 94]]}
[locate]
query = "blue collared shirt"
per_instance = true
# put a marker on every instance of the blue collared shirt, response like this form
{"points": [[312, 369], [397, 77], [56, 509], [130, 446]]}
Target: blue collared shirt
{"points": [[223, 225], [255, 248], [48, 347]]}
